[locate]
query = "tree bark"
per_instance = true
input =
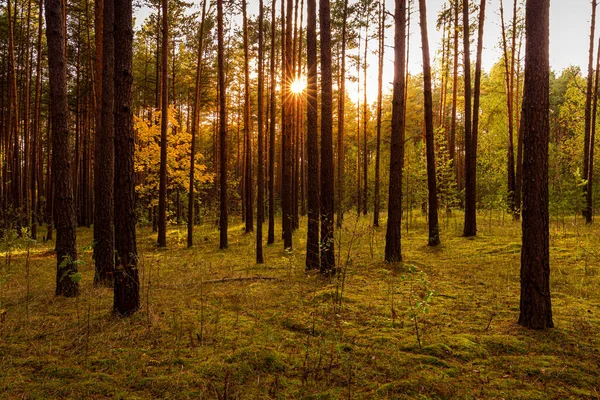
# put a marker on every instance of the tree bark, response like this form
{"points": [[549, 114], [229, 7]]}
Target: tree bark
{"points": [[164, 124], [195, 125], [260, 201], [341, 162], [377, 200], [535, 304], [127, 283], [271, 232], [64, 212], [393, 248], [223, 221], [248, 181], [327, 189], [434, 233], [104, 234], [312, 144], [470, 228]]}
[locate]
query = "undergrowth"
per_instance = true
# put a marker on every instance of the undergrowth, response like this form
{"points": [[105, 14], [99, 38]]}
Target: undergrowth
{"points": [[213, 324]]}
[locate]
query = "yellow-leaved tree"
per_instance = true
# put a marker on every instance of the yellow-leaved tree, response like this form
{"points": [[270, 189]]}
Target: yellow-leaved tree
{"points": [[147, 160]]}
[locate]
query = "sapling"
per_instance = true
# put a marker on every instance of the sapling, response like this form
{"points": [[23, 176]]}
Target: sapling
{"points": [[419, 297]]}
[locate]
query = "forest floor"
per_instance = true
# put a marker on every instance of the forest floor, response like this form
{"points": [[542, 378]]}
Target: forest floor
{"points": [[299, 335]]}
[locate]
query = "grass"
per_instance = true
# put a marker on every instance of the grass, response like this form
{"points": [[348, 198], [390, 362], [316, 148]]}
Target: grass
{"points": [[303, 336]]}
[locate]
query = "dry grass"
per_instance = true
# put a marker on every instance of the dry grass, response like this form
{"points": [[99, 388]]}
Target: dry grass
{"points": [[302, 336]]}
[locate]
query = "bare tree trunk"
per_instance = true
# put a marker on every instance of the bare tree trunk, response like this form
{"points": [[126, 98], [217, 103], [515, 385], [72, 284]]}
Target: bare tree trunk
{"points": [[327, 189], [434, 233], [587, 212], [377, 200], [35, 187], [162, 190], [260, 205], [312, 144], [536, 305], [341, 162], [104, 233], [393, 248], [271, 233], [67, 283], [195, 124], [127, 283], [223, 222], [470, 228], [248, 181], [287, 132]]}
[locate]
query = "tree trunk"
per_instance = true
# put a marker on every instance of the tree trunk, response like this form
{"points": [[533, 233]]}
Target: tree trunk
{"points": [[312, 138], [327, 189], [195, 124], [223, 222], [393, 248], [67, 282], [127, 283], [341, 162], [271, 233], [470, 228], [35, 187], [104, 234], [377, 200], [536, 306], [260, 201], [248, 182], [434, 233], [287, 132], [588, 142], [162, 191]]}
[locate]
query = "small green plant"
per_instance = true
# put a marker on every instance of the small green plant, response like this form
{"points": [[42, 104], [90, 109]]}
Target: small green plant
{"points": [[418, 298]]}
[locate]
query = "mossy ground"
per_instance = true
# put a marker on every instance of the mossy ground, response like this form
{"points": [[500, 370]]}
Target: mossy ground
{"points": [[304, 336]]}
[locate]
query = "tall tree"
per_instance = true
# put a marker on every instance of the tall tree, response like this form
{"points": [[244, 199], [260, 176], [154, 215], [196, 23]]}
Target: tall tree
{"points": [[341, 161], [287, 131], [260, 205], [327, 189], [164, 125], [536, 305], [104, 230], [470, 228], [35, 177], [64, 211], [248, 185], [195, 124], [312, 140], [273, 116], [377, 200], [393, 249], [127, 282], [587, 142], [471, 157], [223, 221], [434, 233]]}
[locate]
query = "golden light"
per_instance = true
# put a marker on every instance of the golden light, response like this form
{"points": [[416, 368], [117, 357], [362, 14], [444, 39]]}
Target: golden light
{"points": [[298, 86]]}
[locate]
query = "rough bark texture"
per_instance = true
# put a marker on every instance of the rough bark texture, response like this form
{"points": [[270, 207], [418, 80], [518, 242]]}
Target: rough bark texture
{"points": [[312, 144], [393, 248], [260, 205], [287, 132], [223, 222], [341, 157], [536, 306], [327, 189], [434, 233], [271, 233], [64, 210], [587, 142], [162, 188], [470, 228], [376, 197], [195, 124], [104, 230], [127, 283], [248, 182]]}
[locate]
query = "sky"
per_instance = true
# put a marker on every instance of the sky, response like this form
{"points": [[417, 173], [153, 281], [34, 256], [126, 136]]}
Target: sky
{"points": [[569, 36]]}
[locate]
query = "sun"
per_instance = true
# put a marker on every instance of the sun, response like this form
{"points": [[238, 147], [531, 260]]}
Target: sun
{"points": [[298, 85]]}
